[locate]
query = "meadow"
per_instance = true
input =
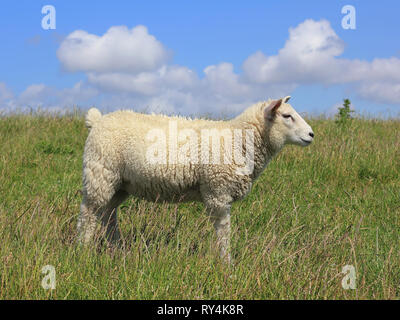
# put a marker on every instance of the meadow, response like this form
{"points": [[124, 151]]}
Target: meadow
{"points": [[313, 211]]}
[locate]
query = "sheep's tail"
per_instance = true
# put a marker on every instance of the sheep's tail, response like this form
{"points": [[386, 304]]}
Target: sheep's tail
{"points": [[92, 117]]}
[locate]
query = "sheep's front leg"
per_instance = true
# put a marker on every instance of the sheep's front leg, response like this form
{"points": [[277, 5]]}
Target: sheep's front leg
{"points": [[222, 225]]}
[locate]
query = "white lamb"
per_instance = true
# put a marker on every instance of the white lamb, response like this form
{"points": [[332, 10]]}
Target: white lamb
{"points": [[117, 162]]}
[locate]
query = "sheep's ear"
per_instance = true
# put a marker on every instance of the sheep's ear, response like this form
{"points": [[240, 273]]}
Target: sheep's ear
{"points": [[286, 99], [270, 111]]}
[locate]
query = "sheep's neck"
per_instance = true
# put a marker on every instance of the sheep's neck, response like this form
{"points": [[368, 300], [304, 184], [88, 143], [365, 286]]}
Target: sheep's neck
{"points": [[264, 150]]}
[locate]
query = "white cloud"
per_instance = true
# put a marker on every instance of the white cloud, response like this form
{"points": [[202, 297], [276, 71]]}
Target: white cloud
{"points": [[34, 94], [311, 56], [311, 46], [146, 83], [119, 50], [383, 91], [224, 82], [40, 95]]}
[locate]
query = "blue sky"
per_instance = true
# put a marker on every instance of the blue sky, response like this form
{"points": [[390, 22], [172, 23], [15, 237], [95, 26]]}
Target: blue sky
{"points": [[40, 67]]}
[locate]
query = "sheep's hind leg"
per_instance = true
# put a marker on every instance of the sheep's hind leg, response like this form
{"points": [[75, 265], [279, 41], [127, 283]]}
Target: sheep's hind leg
{"points": [[86, 223], [109, 218], [100, 199], [107, 214]]}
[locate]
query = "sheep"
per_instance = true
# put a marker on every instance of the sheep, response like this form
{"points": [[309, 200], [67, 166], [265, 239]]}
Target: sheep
{"points": [[121, 159]]}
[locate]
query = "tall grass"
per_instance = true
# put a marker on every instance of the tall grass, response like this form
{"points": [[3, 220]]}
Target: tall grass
{"points": [[313, 211]]}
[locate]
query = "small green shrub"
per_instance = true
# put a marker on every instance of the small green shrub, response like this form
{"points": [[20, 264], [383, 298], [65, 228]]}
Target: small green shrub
{"points": [[344, 114]]}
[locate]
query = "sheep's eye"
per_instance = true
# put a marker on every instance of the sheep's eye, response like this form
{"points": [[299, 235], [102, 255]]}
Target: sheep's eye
{"points": [[286, 116]]}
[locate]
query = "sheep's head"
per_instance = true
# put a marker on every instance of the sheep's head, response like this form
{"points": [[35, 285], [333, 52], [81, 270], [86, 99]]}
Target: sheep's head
{"points": [[285, 125]]}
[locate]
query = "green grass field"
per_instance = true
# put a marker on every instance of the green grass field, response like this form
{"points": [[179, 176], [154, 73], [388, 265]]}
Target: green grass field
{"points": [[313, 211]]}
